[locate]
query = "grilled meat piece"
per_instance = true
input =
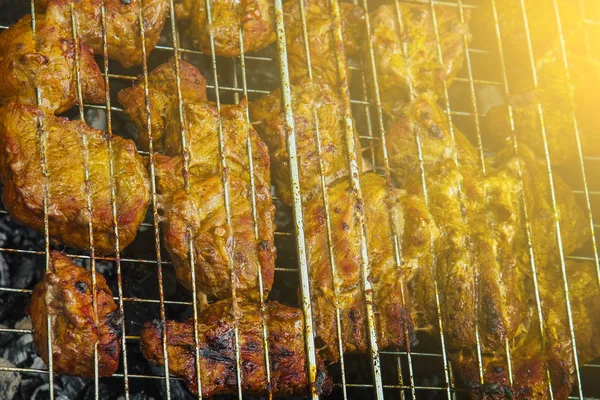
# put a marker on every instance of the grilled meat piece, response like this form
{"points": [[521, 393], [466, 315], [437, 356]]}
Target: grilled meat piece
{"points": [[559, 97], [306, 96], [320, 30], [382, 207], [256, 19], [483, 263], [202, 124], [532, 361], [559, 101], [46, 61], [162, 93], [64, 297], [215, 247], [123, 35], [21, 128], [202, 207], [406, 56], [217, 361]]}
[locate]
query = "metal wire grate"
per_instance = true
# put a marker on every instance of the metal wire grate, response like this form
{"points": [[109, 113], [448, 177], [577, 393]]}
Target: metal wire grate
{"points": [[404, 380]]}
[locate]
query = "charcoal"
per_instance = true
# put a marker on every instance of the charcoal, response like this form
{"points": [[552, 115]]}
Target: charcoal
{"points": [[22, 352], [5, 337], [178, 390], [29, 384], [138, 396], [70, 387], [103, 392], [4, 272], [42, 392], [9, 381], [26, 272]]}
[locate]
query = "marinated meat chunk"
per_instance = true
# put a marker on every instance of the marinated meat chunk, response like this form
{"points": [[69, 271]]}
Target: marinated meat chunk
{"points": [[46, 61], [21, 172], [64, 296], [248, 247], [306, 97], [255, 19], [216, 248], [123, 34], [162, 94], [483, 263], [217, 361], [320, 31], [395, 317], [406, 55]]}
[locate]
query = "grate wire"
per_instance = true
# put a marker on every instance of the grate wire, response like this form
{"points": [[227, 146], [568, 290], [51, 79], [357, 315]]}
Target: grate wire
{"points": [[301, 245]]}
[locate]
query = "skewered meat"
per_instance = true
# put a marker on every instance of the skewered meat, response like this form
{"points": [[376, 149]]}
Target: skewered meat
{"points": [[306, 95], [65, 297], [255, 18], [123, 35], [46, 62], [217, 360], [162, 92], [21, 128], [202, 208], [320, 30], [558, 98], [406, 56], [483, 266], [382, 207]]}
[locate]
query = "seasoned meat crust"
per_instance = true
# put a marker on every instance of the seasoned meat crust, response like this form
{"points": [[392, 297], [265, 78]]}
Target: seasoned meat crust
{"points": [[47, 62], [202, 208], [23, 179], [123, 35], [162, 94], [255, 18], [321, 45], [483, 265], [419, 69], [328, 106], [414, 225], [217, 363], [65, 296]]}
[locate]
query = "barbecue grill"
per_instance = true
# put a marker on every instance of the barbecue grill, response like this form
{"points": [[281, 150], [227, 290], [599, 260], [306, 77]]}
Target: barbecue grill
{"points": [[421, 373]]}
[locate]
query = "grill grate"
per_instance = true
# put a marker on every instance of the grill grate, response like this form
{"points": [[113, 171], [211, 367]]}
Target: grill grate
{"points": [[370, 109]]}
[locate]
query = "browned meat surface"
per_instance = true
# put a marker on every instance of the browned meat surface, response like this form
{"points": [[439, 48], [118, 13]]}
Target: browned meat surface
{"points": [[407, 57], [320, 31], [414, 225], [217, 361], [483, 266], [123, 35], [65, 296], [306, 96], [68, 216], [202, 207], [215, 247], [558, 98], [162, 94], [255, 18], [46, 62]]}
